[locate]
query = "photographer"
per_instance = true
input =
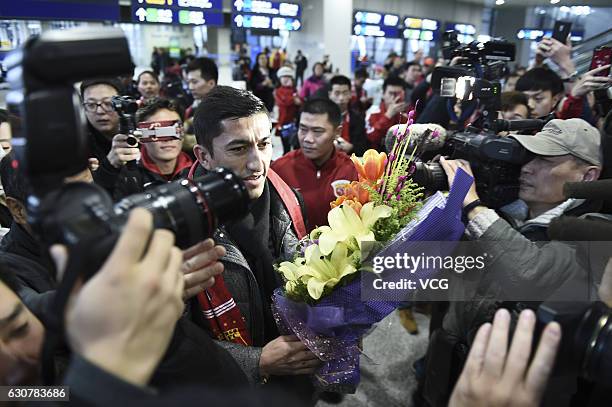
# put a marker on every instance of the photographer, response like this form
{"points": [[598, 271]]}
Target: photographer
{"points": [[110, 149], [520, 261], [162, 159]]}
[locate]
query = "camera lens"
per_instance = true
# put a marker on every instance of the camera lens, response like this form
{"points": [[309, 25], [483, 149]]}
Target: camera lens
{"points": [[192, 209], [593, 344], [430, 176]]}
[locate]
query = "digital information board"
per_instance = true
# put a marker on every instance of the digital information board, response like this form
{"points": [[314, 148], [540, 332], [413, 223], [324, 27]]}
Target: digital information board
{"points": [[267, 15], [373, 24], [83, 10], [185, 12], [272, 8], [266, 22], [423, 29]]}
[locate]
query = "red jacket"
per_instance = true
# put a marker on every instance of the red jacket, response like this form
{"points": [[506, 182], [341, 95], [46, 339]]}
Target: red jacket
{"points": [[287, 109], [319, 187], [377, 125]]}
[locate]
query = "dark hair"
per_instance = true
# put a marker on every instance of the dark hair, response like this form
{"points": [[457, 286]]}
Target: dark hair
{"points": [[509, 100], [540, 79], [151, 107], [409, 64], [324, 106], [13, 179], [339, 80], [88, 83], [362, 73], [208, 68], [393, 81], [221, 103], [147, 73], [315, 65], [4, 117]]}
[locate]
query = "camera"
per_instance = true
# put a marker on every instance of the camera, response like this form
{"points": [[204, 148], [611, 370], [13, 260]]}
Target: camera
{"points": [[53, 143], [126, 107]]}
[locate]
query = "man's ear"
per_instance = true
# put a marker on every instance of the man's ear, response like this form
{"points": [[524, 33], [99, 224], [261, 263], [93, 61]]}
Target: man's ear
{"points": [[338, 131], [592, 173], [203, 156], [17, 209]]}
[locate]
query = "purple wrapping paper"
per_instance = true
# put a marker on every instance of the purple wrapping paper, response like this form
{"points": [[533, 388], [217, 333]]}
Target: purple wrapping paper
{"points": [[332, 328]]}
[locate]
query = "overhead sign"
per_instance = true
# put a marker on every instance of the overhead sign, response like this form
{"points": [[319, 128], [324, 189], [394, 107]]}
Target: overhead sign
{"points": [[185, 12], [271, 8], [373, 24], [83, 10], [266, 22], [423, 29], [536, 34]]}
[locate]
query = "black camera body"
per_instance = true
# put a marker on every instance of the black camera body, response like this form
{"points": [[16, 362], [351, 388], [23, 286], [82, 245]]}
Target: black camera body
{"points": [[496, 162], [53, 143]]}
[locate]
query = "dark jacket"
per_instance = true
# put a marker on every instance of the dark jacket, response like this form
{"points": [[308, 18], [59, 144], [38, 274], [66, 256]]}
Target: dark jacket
{"points": [[265, 93], [244, 288], [357, 131], [99, 147], [146, 175], [22, 254], [90, 385]]}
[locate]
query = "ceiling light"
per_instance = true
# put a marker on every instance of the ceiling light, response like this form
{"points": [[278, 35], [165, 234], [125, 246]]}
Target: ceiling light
{"points": [[499, 2], [554, 1]]}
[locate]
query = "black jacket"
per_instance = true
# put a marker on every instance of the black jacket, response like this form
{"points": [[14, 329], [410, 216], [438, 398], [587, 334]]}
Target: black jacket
{"points": [[28, 259], [358, 133]]}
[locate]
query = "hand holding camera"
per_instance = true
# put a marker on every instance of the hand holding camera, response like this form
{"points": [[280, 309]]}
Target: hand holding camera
{"points": [[492, 376], [398, 106], [128, 335], [122, 152], [558, 52]]}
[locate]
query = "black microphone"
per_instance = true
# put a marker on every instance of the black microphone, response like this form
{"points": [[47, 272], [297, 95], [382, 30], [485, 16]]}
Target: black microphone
{"points": [[595, 190], [568, 228]]}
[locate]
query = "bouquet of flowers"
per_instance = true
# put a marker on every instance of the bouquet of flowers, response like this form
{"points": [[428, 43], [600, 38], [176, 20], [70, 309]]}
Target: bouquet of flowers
{"points": [[321, 300]]}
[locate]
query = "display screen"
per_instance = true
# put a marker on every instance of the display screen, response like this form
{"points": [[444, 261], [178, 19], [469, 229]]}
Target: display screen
{"points": [[423, 29], [373, 18], [272, 8], [184, 12], [266, 22], [84, 10], [373, 24]]}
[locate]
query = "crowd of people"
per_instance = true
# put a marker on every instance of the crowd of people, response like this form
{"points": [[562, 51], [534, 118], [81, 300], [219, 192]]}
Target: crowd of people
{"points": [[157, 325]]}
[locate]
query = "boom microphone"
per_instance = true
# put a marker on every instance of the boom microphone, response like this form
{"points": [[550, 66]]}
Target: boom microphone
{"points": [[595, 190], [568, 228]]}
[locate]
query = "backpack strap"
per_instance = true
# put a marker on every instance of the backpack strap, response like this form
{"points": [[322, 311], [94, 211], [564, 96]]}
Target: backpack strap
{"points": [[291, 202]]}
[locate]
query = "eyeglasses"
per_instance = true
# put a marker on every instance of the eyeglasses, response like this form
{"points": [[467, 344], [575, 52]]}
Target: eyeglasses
{"points": [[91, 107]]}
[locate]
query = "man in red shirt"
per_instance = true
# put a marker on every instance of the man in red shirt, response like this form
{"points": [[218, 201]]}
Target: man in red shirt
{"points": [[317, 169], [389, 113]]}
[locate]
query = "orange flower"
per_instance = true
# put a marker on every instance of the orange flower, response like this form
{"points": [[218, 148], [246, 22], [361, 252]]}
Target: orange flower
{"points": [[357, 192], [343, 200], [373, 166]]}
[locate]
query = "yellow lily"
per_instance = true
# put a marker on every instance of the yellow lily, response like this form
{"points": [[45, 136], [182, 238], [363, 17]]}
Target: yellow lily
{"points": [[321, 272], [345, 224], [291, 272]]}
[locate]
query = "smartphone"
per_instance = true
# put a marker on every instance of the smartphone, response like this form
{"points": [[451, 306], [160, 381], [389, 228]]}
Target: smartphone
{"points": [[562, 30], [601, 56]]}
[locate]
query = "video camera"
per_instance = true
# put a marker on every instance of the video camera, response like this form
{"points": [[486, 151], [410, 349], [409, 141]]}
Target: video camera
{"points": [[53, 143], [495, 160]]}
